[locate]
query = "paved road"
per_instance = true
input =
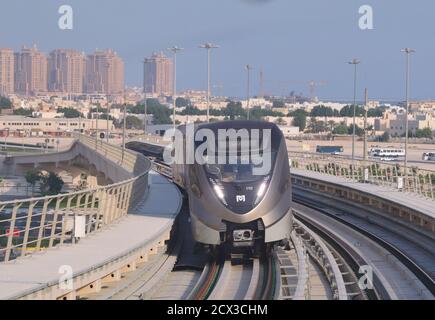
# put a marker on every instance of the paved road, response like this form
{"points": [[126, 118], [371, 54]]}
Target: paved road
{"points": [[415, 150]]}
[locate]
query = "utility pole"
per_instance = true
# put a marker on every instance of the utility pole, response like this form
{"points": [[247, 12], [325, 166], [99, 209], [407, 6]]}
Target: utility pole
{"points": [[248, 70], [261, 93], [107, 123], [96, 129], [208, 47], [355, 63], [146, 61], [408, 52], [175, 50], [366, 108], [124, 125]]}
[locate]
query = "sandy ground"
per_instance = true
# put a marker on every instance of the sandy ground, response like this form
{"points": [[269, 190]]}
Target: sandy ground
{"points": [[415, 150]]}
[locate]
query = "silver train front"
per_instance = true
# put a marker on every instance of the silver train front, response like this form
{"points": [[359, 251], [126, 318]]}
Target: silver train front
{"points": [[214, 222]]}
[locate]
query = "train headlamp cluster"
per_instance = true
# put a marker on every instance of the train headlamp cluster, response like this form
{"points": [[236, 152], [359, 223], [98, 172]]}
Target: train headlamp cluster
{"points": [[218, 190], [262, 190]]}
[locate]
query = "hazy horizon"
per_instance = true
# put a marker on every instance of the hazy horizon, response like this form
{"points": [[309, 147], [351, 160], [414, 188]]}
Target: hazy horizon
{"points": [[293, 42]]}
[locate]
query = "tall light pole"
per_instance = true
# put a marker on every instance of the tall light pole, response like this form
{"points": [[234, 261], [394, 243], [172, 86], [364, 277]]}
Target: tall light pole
{"points": [[248, 70], [96, 127], [175, 50], [124, 124], [355, 63], [408, 52], [146, 61], [366, 109], [107, 123], [208, 47]]}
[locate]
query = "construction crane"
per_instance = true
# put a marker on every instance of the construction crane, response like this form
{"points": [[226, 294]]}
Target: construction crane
{"points": [[313, 86]]}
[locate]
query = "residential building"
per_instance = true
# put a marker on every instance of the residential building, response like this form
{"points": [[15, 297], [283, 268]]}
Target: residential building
{"points": [[6, 71], [66, 71], [30, 71], [104, 73], [158, 75]]}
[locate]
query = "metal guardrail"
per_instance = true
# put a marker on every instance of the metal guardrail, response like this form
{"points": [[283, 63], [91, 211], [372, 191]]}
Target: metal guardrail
{"points": [[36, 224], [406, 179]]}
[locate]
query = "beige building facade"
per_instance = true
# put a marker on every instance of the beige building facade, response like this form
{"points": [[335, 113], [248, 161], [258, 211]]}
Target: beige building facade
{"points": [[6, 71], [31, 70], [104, 73], [158, 75], [66, 71]]}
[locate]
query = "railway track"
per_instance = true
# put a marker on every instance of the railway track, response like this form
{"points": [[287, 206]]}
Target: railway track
{"points": [[414, 251], [391, 278], [327, 252]]}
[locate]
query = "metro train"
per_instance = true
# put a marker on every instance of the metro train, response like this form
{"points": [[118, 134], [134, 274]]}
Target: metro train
{"points": [[231, 205]]}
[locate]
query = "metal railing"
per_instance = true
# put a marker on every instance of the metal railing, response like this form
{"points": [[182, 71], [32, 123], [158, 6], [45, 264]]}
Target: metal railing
{"points": [[406, 179], [36, 224]]}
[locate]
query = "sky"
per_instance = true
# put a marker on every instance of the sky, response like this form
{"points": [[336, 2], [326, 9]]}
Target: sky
{"points": [[292, 41]]}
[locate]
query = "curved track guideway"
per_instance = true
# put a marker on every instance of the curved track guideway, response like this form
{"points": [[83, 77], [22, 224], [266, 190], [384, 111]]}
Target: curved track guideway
{"points": [[405, 243], [392, 280], [235, 281]]}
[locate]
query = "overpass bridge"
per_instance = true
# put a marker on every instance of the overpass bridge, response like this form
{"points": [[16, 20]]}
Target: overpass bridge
{"points": [[110, 242]]}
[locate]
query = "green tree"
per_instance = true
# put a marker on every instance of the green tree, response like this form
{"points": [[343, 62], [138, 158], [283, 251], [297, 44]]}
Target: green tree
{"points": [[32, 177], [23, 112], [347, 111], [193, 111], [235, 110], [340, 129], [424, 133], [299, 119], [69, 112], [161, 113], [5, 103], [358, 131], [278, 104], [51, 184], [182, 102], [317, 126], [376, 112], [131, 122], [385, 137], [322, 111]]}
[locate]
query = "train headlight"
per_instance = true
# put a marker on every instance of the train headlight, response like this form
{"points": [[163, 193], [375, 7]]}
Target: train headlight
{"points": [[219, 192], [262, 189]]}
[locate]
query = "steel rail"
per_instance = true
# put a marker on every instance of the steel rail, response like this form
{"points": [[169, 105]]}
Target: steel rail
{"points": [[423, 276]]}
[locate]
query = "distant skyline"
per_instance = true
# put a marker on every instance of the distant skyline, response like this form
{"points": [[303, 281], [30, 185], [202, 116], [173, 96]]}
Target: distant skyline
{"points": [[292, 41]]}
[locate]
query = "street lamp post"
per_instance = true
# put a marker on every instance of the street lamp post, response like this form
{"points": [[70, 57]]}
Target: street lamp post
{"points": [[248, 70], [175, 50], [408, 52], [208, 47], [107, 123], [124, 125], [146, 61], [355, 63], [366, 109], [96, 128]]}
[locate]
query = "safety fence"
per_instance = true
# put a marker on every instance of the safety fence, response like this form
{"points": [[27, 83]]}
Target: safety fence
{"points": [[36, 224], [406, 179]]}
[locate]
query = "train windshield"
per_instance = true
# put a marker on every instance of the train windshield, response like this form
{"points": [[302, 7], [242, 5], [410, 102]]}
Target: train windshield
{"points": [[243, 171]]}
